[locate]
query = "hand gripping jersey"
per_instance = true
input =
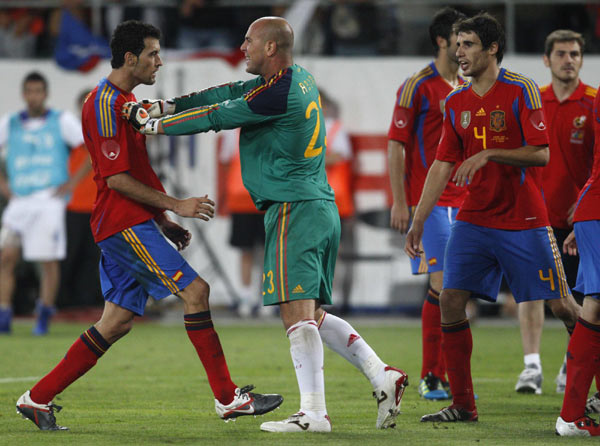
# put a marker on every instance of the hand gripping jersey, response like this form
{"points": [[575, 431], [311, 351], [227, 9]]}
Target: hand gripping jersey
{"points": [[588, 203], [571, 141], [115, 147], [282, 142], [417, 123], [507, 117]]}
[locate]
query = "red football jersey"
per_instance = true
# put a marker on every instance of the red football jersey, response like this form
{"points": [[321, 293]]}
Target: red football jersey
{"points": [[508, 116], [115, 147], [417, 123], [571, 141], [588, 204]]}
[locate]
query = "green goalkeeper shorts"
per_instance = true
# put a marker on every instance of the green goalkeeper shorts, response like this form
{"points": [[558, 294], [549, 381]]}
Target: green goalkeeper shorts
{"points": [[302, 240]]}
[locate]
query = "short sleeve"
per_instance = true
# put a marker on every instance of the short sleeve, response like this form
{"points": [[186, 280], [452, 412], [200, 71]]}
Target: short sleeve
{"points": [[450, 148], [70, 129], [404, 114], [111, 137], [3, 134]]}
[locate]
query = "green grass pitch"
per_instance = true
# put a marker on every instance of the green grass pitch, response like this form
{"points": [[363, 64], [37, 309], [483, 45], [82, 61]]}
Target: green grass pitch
{"points": [[150, 389]]}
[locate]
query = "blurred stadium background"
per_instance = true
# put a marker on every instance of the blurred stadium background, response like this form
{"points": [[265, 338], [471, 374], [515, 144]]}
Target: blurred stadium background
{"points": [[358, 51]]}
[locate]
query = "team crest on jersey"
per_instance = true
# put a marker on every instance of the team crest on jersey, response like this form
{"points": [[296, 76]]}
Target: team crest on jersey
{"points": [[577, 136], [537, 120], [111, 149], [498, 121], [465, 119], [579, 121], [401, 118]]}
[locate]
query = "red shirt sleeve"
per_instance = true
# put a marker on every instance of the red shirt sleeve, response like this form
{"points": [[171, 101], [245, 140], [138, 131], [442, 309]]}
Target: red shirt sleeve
{"points": [[111, 140], [533, 122], [450, 148], [401, 127]]}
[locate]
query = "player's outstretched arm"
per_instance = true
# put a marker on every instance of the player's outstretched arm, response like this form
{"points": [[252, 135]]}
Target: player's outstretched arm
{"points": [[214, 95], [435, 183], [193, 207]]}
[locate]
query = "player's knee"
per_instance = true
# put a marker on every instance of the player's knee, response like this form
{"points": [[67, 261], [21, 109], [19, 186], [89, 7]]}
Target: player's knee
{"points": [[8, 263], [197, 293], [562, 310]]}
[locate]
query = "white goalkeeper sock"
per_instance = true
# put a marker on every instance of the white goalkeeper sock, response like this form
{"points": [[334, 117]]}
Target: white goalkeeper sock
{"points": [[340, 337], [306, 349]]}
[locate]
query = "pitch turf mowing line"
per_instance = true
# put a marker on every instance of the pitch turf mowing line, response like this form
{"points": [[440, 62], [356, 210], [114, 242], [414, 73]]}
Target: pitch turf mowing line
{"points": [[150, 389], [19, 379]]}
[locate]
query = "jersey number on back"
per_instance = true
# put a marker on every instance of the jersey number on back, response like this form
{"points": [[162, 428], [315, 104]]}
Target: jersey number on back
{"points": [[312, 151]]}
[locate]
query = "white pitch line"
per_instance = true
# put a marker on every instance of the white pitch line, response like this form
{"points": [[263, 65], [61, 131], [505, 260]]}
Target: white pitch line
{"points": [[19, 379]]}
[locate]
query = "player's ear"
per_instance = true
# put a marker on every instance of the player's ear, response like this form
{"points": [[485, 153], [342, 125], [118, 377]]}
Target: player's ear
{"points": [[493, 49], [270, 47], [441, 42], [130, 59], [546, 61]]}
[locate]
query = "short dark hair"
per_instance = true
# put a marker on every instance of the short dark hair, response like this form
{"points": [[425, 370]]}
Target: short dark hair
{"points": [[35, 76], [441, 25], [487, 28], [563, 35], [128, 37]]}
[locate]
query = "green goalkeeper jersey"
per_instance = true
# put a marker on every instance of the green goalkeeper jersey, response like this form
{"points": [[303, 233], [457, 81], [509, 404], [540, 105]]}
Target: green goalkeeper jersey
{"points": [[282, 142]]}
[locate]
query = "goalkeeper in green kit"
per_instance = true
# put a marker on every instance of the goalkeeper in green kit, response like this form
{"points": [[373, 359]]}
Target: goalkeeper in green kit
{"points": [[282, 152]]}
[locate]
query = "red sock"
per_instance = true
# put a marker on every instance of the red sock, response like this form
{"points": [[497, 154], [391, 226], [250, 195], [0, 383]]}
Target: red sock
{"points": [[200, 330], [82, 356], [431, 333], [457, 345], [583, 360]]}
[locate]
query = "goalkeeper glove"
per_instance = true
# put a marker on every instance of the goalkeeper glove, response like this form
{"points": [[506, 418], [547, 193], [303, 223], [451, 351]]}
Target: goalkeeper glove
{"points": [[138, 117], [158, 108]]}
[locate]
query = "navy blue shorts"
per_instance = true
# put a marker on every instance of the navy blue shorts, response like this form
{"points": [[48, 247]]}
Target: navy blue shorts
{"points": [[139, 262], [436, 232], [476, 258], [587, 234]]}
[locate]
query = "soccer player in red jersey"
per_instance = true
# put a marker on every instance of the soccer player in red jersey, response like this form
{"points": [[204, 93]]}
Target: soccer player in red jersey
{"points": [[131, 227], [494, 124], [412, 142], [584, 347], [567, 104]]}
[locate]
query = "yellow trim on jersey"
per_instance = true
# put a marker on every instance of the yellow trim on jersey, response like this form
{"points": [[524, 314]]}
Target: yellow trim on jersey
{"points": [[145, 256], [590, 91], [89, 338], [195, 111], [407, 94], [101, 108], [281, 252], [532, 90], [562, 280], [105, 111]]}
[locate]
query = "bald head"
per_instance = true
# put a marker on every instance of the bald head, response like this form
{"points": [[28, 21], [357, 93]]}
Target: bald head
{"points": [[276, 29], [268, 46]]}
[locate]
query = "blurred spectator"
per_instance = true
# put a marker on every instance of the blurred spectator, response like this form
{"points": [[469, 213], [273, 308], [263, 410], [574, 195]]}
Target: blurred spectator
{"points": [[36, 143], [247, 226], [204, 25], [75, 46], [80, 283], [338, 164], [19, 29]]}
